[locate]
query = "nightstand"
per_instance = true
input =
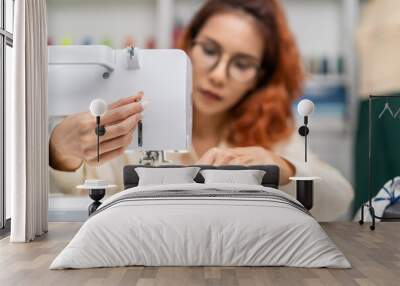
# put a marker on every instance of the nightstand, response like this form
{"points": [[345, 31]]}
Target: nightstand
{"points": [[305, 190], [97, 191]]}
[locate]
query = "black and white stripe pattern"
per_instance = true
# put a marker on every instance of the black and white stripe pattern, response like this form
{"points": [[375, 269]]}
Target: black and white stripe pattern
{"points": [[207, 194]]}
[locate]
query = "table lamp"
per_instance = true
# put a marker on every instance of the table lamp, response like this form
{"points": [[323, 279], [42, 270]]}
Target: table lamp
{"points": [[305, 108], [98, 108], [304, 185], [97, 188]]}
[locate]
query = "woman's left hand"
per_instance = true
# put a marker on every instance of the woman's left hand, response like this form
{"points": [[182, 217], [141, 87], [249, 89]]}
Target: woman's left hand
{"points": [[248, 156]]}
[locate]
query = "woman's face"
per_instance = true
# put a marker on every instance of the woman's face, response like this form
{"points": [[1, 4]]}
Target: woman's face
{"points": [[226, 55]]}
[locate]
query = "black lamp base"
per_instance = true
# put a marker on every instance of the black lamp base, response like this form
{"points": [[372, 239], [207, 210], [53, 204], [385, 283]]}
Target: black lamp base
{"points": [[96, 195], [304, 193]]}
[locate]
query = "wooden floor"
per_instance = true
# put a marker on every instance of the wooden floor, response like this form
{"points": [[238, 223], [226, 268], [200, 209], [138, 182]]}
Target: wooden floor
{"points": [[374, 255]]}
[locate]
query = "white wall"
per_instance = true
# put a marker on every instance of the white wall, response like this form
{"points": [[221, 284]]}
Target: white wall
{"points": [[317, 25], [185, 9]]}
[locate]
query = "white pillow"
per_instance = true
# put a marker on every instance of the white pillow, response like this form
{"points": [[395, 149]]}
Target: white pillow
{"points": [[248, 177], [161, 176]]}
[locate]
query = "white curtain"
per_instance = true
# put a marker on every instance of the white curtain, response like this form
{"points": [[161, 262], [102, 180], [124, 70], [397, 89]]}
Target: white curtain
{"points": [[27, 123]]}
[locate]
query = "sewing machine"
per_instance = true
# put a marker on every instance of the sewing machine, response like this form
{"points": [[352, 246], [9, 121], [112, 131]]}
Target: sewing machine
{"points": [[79, 74]]}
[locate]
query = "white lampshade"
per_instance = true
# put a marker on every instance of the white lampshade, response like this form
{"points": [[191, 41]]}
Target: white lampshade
{"points": [[305, 107], [98, 107]]}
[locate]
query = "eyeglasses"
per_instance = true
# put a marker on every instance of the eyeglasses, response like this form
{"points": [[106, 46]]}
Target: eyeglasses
{"points": [[241, 68]]}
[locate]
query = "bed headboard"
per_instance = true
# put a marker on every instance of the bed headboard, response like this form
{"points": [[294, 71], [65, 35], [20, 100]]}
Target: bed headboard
{"points": [[270, 179]]}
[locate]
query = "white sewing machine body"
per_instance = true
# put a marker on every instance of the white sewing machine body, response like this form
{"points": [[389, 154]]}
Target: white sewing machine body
{"points": [[79, 74]]}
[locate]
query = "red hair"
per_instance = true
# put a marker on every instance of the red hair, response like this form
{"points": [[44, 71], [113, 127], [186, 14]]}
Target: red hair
{"points": [[263, 116]]}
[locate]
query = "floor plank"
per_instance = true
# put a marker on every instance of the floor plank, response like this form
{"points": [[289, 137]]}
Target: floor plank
{"points": [[374, 255]]}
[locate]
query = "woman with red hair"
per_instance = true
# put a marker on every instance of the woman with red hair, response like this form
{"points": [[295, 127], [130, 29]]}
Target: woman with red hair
{"points": [[246, 74]]}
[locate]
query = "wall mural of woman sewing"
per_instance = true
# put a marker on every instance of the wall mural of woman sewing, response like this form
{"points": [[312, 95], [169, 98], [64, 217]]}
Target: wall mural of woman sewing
{"points": [[247, 73]]}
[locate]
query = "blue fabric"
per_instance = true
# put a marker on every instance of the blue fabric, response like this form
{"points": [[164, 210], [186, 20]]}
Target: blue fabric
{"points": [[394, 185]]}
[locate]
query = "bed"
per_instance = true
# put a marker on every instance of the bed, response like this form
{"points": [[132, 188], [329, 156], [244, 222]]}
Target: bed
{"points": [[201, 224]]}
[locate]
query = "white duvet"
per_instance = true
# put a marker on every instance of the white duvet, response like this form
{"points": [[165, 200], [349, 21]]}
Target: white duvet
{"points": [[200, 231]]}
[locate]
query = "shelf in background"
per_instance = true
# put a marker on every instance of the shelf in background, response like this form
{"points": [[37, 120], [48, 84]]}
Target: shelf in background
{"points": [[316, 81]]}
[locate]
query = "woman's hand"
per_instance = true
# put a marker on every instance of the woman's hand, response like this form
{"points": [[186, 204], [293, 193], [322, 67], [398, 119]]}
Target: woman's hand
{"points": [[248, 156], [74, 140]]}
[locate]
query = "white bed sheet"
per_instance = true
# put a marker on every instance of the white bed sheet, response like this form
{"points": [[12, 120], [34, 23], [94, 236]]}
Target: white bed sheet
{"points": [[200, 231]]}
